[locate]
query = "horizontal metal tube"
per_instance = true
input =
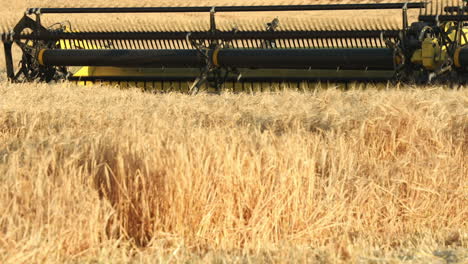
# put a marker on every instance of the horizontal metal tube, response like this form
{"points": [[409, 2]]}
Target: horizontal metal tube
{"points": [[345, 59], [122, 58], [223, 8], [443, 18], [267, 35]]}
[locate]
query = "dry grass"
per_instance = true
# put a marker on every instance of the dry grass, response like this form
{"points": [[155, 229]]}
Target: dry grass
{"points": [[105, 175], [99, 175]]}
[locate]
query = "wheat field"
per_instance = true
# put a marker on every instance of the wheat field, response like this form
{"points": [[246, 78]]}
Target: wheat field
{"points": [[107, 175]]}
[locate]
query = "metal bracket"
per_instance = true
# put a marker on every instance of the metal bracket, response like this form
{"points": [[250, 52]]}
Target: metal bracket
{"points": [[271, 27], [7, 45], [405, 17], [213, 20]]}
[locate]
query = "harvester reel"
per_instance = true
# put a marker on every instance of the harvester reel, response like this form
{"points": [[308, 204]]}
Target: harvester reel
{"points": [[433, 49]]}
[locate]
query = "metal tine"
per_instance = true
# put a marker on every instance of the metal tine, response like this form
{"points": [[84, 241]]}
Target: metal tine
{"points": [[88, 44], [296, 43], [302, 43], [177, 43], [122, 43], [128, 44], [338, 43], [279, 43], [316, 43], [361, 43], [140, 44], [111, 44], [364, 42], [102, 44], [94, 45], [145, 43], [293, 43], [151, 43], [249, 43], [115, 44], [85, 44], [135, 44]]}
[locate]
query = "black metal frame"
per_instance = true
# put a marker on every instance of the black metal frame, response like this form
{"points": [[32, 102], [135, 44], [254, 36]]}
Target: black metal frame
{"points": [[202, 9], [207, 42]]}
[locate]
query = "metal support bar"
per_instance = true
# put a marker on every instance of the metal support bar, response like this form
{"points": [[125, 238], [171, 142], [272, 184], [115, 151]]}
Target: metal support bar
{"points": [[9, 60], [442, 18], [405, 17], [223, 35], [225, 8], [213, 20]]}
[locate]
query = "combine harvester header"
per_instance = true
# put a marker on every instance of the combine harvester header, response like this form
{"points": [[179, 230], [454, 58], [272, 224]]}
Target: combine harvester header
{"points": [[431, 49]]}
